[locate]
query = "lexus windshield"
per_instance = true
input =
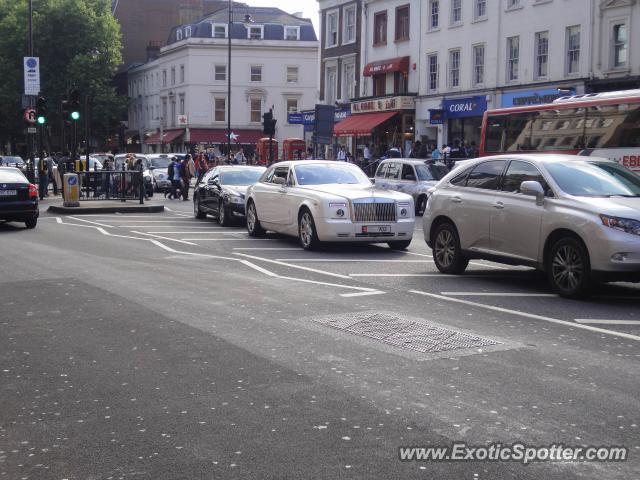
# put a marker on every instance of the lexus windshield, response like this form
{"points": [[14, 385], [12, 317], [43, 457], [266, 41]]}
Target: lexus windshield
{"points": [[595, 179], [324, 174]]}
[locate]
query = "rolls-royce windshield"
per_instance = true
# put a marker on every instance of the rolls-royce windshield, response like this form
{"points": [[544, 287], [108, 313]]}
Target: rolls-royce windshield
{"points": [[325, 174]]}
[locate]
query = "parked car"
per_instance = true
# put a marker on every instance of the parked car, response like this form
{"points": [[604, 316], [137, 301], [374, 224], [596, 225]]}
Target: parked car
{"points": [[221, 192], [324, 201], [119, 160], [158, 165], [13, 161], [18, 198], [576, 218], [407, 175]]}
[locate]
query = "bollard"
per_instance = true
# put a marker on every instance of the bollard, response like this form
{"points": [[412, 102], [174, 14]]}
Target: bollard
{"points": [[71, 190]]}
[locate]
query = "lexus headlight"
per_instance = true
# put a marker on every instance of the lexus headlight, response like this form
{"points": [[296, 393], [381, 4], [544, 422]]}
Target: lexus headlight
{"points": [[627, 225], [338, 210], [236, 199], [404, 209]]}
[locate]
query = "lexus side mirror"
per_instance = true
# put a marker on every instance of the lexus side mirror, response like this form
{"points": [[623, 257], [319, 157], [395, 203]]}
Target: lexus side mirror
{"points": [[534, 189]]}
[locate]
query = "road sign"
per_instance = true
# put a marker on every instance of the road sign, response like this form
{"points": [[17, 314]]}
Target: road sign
{"points": [[31, 75], [32, 130], [30, 116]]}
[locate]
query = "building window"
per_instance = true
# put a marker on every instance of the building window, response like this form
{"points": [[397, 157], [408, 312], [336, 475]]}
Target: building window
{"points": [[513, 4], [478, 64], [456, 12], [292, 74], [173, 76], [542, 55], [454, 68], [181, 73], [164, 78], [480, 9], [331, 79], [400, 82], [434, 14], [291, 33], [178, 34], [220, 73], [380, 28], [349, 31], [255, 32], [332, 28], [218, 30], [187, 32], [219, 109], [181, 105], [379, 85], [619, 45], [256, 73], [513, 58], [164, 112], [348, 81], [256, 110], [432, 65], [173, 113], [402, 23], [292, 105], [573, 49]]}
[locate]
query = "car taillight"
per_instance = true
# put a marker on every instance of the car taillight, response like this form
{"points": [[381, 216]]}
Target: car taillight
{"points": [[33, 191]]}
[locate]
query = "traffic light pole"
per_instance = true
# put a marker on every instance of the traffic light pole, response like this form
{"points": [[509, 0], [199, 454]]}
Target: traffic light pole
{"points": [[30, 136], [86, 130]]}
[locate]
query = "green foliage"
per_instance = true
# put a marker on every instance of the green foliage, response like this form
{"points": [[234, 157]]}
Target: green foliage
{"points": [[78, 42]]}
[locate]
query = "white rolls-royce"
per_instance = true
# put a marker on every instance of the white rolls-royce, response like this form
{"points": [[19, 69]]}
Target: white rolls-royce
{"points": [[328, 201]]}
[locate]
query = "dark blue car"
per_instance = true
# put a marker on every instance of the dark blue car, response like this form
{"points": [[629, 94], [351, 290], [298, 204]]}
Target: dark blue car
{"points": [[18, 198]]}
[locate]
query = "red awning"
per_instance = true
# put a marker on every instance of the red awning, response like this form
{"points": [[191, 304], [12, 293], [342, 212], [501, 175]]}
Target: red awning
{"points": [[168, 136], [399, 64], [361, 124], [216, 135]]}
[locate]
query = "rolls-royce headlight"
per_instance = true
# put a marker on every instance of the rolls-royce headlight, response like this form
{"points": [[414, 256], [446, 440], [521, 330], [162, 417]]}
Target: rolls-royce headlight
{"points": [[403, 209], [338, 209]]}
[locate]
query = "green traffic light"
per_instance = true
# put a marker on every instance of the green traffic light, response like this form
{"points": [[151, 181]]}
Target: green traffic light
{"points": [[75, 115], [42, 120]]}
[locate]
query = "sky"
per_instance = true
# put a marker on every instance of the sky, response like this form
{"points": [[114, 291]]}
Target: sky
{"points": [[309, 8]]}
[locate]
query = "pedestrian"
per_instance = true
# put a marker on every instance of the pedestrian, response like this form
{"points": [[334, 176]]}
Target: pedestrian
{"points": [[436, 154], [174, 174], [239, 158], [188, 171], [342, 154], [367, 155], [45, 170]]}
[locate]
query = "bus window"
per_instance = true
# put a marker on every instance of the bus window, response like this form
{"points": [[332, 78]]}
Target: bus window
{"points": [[518, 132], [495, 133]]}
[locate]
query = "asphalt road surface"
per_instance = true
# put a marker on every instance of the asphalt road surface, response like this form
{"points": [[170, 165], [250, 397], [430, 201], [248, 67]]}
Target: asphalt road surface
{"points": [[165, 347]]}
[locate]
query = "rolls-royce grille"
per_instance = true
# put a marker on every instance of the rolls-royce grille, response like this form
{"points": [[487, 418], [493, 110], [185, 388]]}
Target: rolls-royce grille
{"points": [[374, 212]]}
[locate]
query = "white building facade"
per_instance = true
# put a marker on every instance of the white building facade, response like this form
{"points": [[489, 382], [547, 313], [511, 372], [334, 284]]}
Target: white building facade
{"points": [[179, 100]]}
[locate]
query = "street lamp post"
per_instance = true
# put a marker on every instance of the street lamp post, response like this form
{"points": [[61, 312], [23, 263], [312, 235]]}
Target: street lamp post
{"points": [[247, 19]]}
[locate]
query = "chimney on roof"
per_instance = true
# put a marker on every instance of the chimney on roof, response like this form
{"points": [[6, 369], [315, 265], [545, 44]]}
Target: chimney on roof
{"points": [[153, 50]]}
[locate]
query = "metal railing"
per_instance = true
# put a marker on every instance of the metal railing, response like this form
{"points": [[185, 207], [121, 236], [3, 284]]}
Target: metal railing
{"points": [[111, 185]]}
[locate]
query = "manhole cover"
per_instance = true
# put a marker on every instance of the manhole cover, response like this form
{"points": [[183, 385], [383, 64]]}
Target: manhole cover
{"points": [[403, 332]]}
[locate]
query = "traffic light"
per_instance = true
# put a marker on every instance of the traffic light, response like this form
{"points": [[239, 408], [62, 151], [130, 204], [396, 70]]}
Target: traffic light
{"points": [[269, 123], [74, 105], [41, 111]]}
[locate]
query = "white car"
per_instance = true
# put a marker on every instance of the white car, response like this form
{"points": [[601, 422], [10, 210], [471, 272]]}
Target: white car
{"points": [[327, 201], [576, 218]]}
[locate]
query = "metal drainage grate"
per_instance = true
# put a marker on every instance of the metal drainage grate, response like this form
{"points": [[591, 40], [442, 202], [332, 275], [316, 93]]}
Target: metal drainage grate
{"points": [[401, 332]]}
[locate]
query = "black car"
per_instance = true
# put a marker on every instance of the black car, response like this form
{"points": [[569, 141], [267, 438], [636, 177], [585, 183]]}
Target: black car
{"points": [[221, 191], [18, 197]]}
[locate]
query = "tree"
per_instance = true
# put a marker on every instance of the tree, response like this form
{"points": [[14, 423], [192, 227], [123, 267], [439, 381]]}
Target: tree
{"points": [[78, 42]]}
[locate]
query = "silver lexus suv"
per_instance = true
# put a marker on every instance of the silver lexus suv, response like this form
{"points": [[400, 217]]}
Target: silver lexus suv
{"points": [[576, 218]]}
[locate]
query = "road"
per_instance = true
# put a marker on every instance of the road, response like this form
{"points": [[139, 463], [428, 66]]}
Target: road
{"points": [[164, 347]]}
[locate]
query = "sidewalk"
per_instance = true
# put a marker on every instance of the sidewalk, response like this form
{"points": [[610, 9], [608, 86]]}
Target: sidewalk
{"points": [[55, 204]]}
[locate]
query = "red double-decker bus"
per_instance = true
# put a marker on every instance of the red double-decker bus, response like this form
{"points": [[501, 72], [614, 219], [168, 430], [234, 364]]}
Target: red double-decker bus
{"points": [[595, 124]]}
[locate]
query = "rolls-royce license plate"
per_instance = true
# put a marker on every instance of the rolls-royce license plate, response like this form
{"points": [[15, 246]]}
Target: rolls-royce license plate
{"points": [[376, 229]]}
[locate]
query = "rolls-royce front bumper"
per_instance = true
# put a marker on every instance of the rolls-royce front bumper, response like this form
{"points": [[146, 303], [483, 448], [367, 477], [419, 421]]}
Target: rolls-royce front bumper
{"points": [[331, 230]]}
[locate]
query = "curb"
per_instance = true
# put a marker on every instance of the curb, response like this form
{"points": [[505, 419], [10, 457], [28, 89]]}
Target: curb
{"points": [[107, 209]]}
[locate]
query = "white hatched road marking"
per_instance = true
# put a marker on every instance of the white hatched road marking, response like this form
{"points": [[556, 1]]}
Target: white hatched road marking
{"points": [[266, 248], [498, 294], [607, 322], [361, 294], [164, 238], [335, 260], [299, 267], [441, 275], [529, 315]]}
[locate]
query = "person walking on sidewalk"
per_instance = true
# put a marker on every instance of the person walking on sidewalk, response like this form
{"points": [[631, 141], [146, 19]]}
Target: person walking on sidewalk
{"points": [[188, 171], [175, 175], [45, 170]]}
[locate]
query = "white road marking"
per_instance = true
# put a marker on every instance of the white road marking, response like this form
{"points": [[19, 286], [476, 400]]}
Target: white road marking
{"points": [[608, 322], [361, 294], [498, 294], [198, 232], [180, 221], [529, 315], [78, 219], [232, 239], [266, 248], [152, 226], [165, 238], [332, 260], [442, 275], [121, 215], [299, 267]]}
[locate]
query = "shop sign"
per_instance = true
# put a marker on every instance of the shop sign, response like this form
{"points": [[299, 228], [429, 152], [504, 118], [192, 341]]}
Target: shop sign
{"points": [[295, 118], [436, 117], [383, 104], [465, 107], [533, 97], [309, 116]]}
